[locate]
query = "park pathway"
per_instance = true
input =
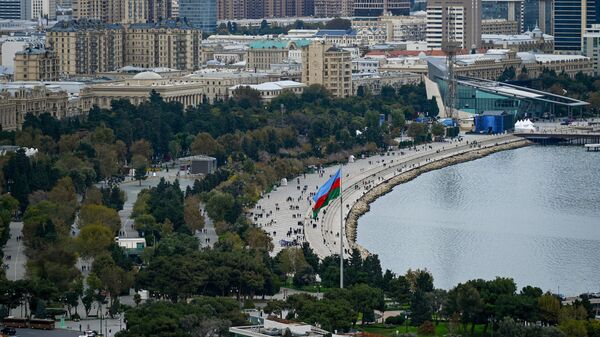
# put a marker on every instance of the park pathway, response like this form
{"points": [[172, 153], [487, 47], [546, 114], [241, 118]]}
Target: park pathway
{"points": [[285, 212]]}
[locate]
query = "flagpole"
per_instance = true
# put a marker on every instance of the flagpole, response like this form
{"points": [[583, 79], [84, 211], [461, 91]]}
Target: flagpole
{"points": [[341, 231]]}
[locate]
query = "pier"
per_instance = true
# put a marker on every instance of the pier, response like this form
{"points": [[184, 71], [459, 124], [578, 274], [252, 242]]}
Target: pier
{"points": [[592, 147], [569, 137]]}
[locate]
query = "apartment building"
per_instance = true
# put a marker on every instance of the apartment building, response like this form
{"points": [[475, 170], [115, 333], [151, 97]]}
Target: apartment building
{"points": [[36, 64], [108, 11], [328, 66], [168, 43], [454, 21], [87, 47]]}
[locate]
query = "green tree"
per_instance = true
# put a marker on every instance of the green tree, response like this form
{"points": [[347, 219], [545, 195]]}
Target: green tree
{"points": [[140, 173], [438, 130], [99, 215], [94, 240]]}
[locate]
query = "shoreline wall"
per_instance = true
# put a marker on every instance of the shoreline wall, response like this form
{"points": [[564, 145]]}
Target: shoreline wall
{"points": [[362, 206]]}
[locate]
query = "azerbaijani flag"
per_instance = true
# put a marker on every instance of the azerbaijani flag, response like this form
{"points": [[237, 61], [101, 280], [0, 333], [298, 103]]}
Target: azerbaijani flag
{"points": [[329, 191]]}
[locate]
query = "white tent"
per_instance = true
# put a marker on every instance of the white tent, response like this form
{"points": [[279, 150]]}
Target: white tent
{"points": [[525, 126]]}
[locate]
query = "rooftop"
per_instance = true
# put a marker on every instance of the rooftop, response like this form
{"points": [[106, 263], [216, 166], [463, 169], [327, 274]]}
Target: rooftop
{"points": [[164, 24], [273, 86], [519, 92], [147, 75], [335, 32], [82, 24]]}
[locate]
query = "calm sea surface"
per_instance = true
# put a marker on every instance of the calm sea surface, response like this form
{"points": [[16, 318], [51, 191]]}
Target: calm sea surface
{"points": [[532, 214]]}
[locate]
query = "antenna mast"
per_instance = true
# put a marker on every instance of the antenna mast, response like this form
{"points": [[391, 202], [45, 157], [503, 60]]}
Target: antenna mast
{"points": [[450, 47]]}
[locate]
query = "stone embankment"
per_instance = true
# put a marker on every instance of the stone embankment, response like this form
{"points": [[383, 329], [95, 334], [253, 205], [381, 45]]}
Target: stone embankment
{"points": [[361, 206]]}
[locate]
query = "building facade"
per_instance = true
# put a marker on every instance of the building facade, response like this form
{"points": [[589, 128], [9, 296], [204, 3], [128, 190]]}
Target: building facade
{"points": [[36, 64], [591, 46], [375, 8], [216, 84], [262, 54], [87, 47], [270, 90], [499, 26], [12, 9], [232, 9], [107, 11], [405, 28], [333, 8], [571, 18], [201, 14], [41, 9], [18, 100], [169, 43], [456, 21], [137, 90], [160, 10], [135, 11], [373, 82], [328, 66]]}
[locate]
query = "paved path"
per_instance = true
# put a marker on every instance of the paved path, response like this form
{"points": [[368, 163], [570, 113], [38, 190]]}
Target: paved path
{"points": [[16, 250], [133, 188], [285, 212], [208, 235]]}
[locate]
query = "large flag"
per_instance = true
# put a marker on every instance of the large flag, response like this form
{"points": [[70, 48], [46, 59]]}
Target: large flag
{"points": [[329, 191]]}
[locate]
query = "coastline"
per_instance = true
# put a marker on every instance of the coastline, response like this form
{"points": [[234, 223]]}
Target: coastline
{"points": [[362, 205]]}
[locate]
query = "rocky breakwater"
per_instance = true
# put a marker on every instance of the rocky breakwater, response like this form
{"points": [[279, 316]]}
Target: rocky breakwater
{"points": [[362, 205]]}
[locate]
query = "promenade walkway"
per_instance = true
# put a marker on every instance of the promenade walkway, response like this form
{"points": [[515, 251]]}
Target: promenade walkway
{"points": [[285, 213]]}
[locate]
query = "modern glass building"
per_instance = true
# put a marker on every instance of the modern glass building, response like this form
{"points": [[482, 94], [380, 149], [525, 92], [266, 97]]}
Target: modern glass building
{"points": [[476, 96], [571, 18], [12, 9], [201, 14]]}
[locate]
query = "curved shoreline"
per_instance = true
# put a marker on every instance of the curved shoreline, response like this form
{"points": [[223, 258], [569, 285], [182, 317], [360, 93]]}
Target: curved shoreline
{"points": [[362, 205]]}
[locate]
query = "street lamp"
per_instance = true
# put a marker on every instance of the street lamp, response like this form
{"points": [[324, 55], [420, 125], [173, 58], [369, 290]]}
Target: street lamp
{"points": [[405, 323]]}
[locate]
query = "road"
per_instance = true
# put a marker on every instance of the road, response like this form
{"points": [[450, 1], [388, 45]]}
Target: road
{"points": [[46, 333]]}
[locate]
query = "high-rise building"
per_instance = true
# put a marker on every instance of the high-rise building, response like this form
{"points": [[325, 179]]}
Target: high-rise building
{"points": [[328, 66], [201, 14], [232, 9], [454, 21], [160, 10], [333, 8], [42, 9], [309, 8], [255, 9], [381, 7], [538, 13], [571, 18], [174, 9], [12, 9], [135, 11], [591, 46], [108, 11]]}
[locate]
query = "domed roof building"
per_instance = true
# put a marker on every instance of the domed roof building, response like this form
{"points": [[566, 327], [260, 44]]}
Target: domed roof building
{"points": [[147, 75]]}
